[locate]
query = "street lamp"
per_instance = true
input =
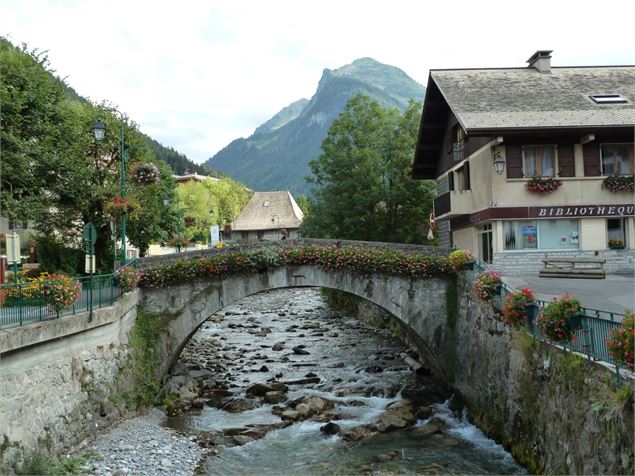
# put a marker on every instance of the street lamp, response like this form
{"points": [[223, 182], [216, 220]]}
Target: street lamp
{"points": [[99, 129]]}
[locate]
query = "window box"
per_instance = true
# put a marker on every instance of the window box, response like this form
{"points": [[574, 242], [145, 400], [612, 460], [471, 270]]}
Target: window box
{"points": [[619, 183], [616, 244], [543, 185]]}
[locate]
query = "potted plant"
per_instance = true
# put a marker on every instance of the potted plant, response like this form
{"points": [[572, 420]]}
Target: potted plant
{"points": [[146, 173], [619, 183], [616, 244], [118, 206], [61, 292], [128, 278], [620, 342], [520, 307], [460, 260], [487, 285], [543, 185], [559, 320]]}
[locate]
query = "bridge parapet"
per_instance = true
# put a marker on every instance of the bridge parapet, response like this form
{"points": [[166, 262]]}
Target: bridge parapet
{"points": [[153, 261]]}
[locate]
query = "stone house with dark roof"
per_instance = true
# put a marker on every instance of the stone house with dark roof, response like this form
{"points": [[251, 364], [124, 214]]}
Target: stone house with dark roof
{"points": [[268, 216], [521, 158]]}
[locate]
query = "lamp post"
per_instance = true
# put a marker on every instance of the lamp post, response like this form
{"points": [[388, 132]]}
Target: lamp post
{"points": [[99, 129]]}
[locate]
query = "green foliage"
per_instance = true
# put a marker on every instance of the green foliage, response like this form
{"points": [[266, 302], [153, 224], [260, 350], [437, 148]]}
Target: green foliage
{"points": [[179, 163], [363, 190], [459, 260], [41, 462], [357, 259], [56, 257], [54, 172], [225, 198]]}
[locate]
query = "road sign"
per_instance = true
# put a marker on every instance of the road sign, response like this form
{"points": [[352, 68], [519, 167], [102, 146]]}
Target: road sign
{"points": [[89, 264], [214, 235], [90, 233], [13, 248]]}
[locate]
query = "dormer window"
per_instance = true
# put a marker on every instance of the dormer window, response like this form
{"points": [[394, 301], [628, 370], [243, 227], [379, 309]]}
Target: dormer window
{"points": [[608, 99], [266, 203]]}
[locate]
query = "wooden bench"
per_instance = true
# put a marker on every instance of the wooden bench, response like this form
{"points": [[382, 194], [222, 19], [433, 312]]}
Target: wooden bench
{"points": [[589, 268]]}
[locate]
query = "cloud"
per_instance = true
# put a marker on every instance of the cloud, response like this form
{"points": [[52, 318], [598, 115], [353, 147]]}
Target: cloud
{"points": [[198, 74]]}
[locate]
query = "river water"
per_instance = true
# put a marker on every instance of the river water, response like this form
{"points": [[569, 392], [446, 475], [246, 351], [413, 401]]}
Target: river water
{"points": [[292, 336]]}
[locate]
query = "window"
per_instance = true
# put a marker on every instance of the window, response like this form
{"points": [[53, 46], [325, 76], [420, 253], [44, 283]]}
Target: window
{"points": [[485, 239], [458, 141], [616, 229], [616, 159], [451, 181], [244, 235], [266, 203], [261, 235], [539, 160], [608, 99], [466, 176], [542, 234]]}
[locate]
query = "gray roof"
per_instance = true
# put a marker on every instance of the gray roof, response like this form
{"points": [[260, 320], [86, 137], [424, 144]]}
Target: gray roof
{"points": [[281, 212], [525, 98]]}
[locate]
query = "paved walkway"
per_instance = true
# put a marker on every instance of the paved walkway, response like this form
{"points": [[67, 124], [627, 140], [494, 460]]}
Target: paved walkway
{"points": [[614, 294]]}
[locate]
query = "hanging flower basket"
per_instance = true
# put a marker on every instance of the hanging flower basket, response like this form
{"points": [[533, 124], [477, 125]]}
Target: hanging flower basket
{"points": [[146, 173], [519, 307], [619, 183], [543, 185], [560, 319], [460, 260], [620, 343], [118, 206], [487, 285], [128, 278]]}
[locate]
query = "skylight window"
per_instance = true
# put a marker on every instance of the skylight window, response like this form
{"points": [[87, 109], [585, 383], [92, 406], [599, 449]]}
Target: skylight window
{"points": [[608, 99], [266, 203]]}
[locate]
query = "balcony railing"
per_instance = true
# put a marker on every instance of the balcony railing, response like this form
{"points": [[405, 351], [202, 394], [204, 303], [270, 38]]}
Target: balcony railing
{"points": [[442, 204], [457, 151]]}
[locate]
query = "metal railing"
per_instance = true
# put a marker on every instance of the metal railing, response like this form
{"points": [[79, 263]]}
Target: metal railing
{"points": [[590, 340], [26, 302]]}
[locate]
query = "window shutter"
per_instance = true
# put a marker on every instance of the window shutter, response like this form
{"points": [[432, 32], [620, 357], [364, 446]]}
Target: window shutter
{"points": [[514, 161], [591, 153], [566, 162], [451, 181], [466, 176]]}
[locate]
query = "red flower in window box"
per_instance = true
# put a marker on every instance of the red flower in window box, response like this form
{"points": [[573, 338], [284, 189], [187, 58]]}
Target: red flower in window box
{"points": [[543, 185]]}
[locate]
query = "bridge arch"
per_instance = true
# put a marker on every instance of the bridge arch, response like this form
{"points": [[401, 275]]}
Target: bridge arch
{"points": [[413, 301]]}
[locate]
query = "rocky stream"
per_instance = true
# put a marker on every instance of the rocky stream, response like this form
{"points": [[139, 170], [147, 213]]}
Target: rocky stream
{"points": [[280, 384]]}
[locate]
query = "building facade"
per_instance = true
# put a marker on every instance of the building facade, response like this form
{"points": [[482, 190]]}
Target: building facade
{"points": [[532, 163]]}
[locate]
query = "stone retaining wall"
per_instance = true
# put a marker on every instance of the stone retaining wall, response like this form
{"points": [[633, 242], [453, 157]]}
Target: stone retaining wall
{"points": [[59, 380], [526, 262]]}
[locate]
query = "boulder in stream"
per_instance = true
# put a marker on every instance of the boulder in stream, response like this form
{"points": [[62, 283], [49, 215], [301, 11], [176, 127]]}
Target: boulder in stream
{"points": [[398, 415]]}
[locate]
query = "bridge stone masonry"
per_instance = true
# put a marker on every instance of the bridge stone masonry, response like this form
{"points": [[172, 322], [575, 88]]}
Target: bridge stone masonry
{"points": [[63, 377]]}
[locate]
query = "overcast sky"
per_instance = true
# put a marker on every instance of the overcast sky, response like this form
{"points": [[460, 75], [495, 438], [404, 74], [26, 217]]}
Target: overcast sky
{"points": [[197, 74]]}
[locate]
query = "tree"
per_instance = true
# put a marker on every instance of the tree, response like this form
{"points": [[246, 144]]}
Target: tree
{"points": [[363, 189]]}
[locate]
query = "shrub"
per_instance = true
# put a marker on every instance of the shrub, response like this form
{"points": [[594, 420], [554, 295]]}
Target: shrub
{"points": [[543, 185], [487, 285], [128, 278], [458, 260], [620, 342], [61, 292], [554, 321], [515, 306]]}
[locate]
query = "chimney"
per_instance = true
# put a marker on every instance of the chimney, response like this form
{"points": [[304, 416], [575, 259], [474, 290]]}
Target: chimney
{"points": [[541, 61]]}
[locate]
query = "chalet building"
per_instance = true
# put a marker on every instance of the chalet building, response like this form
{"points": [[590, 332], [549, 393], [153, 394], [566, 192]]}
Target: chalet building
{"points": [[532, 163], [269, 216], [193, 177]]}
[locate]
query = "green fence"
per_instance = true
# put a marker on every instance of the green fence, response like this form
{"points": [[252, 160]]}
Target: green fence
{"points": [[590, 340], [26, 302]]}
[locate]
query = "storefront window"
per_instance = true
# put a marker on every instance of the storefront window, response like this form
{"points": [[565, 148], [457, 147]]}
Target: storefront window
{"points": [[541, 234], [616, 229]]}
